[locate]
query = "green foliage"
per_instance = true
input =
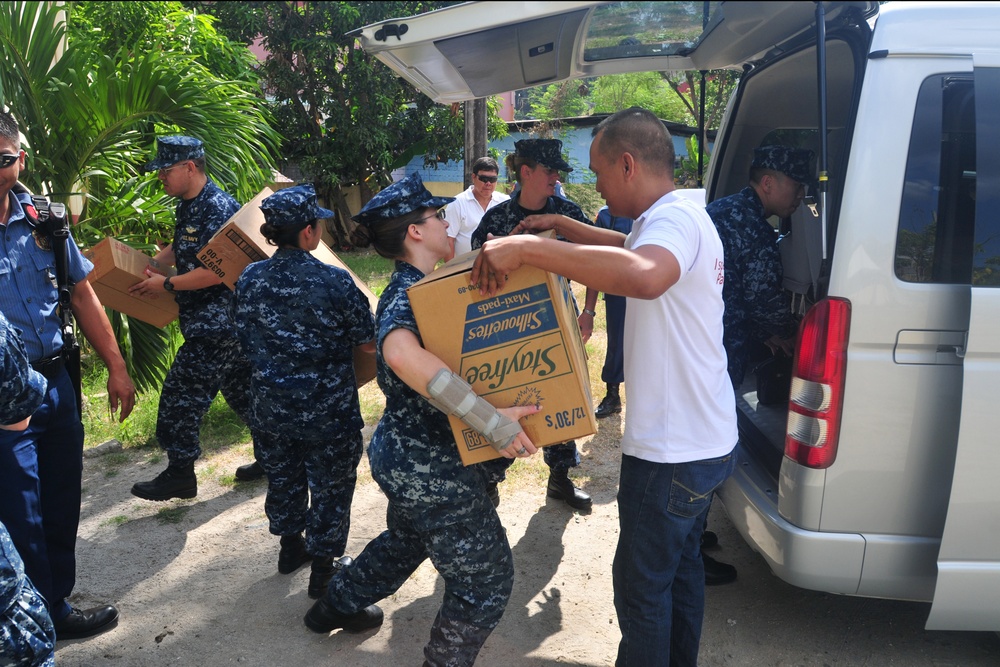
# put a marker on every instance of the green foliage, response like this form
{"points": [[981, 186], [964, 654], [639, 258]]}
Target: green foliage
{"points": [[90, 107], [346, 118], [644, 89], [559, 100]]}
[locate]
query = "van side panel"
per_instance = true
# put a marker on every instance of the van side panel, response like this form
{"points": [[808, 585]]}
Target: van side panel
{"points": [[900, 421]]}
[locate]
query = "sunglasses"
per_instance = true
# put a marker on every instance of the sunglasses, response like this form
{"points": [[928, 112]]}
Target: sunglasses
{"points": [[439, 214], [487, 179], [8, 159]]}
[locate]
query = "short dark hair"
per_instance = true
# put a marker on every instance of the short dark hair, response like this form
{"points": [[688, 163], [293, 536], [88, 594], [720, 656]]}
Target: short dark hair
{"points": [[637, 131], [8, 128], [515, 162], [485, 164]]}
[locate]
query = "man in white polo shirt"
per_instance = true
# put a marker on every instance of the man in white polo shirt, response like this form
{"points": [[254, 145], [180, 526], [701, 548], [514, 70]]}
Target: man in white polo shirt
{"points": [[680, 426], [463, 214]]}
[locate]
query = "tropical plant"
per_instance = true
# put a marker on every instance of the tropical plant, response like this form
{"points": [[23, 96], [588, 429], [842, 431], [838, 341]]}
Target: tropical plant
{"points": [[347, 119], [89, 120]]}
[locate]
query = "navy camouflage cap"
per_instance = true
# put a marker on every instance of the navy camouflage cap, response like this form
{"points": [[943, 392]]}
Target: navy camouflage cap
{"points": [[795, 163], [402, 197], [292, 206], [546, 152], [173, 149]]}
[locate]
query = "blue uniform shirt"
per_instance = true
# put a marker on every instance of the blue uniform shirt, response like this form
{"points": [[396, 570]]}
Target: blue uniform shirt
{"points": [[28, 291], [756, 307], [202, 312], [413, 454], [502, 218], [298, 321], [607, 221]]}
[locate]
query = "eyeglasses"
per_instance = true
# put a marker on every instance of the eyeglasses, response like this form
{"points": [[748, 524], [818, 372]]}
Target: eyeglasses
{"points": [[487, 179], [166, 170], [439, 214], [8, 159]]}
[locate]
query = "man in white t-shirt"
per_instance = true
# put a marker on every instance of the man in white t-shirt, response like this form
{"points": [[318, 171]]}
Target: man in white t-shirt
{"points": [[464, 214], [680, 426]]}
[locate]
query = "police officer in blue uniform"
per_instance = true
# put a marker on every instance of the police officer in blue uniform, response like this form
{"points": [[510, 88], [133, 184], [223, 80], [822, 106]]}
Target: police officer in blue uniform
{"points": [[757, 310], [536, 164], [210, 358], [27, 637], [299, 321], [613, 371], [41, 467], [438, 508]]}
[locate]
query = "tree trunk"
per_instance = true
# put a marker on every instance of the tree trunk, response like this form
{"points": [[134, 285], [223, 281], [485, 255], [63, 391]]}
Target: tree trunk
{"points": [[475, 135]]}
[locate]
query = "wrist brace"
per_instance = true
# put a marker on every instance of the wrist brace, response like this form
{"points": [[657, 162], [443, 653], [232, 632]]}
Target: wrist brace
{"points": [[453, 396]]}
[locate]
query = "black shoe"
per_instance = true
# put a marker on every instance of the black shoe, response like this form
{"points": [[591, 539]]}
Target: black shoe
{"points": [[87, 623], [611, 405], [494, 494], [293, 554], [174, 482], [323, 618], [561, 488], [717, 573], [323, 570], [249, 472], [709, 540]]}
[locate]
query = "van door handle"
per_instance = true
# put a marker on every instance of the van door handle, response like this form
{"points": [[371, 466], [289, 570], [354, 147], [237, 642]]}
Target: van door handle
{"points": [[930, 347]]}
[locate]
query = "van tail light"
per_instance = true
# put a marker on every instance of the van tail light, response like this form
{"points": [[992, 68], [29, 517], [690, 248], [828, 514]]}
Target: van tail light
{"points": [[815, 402]]}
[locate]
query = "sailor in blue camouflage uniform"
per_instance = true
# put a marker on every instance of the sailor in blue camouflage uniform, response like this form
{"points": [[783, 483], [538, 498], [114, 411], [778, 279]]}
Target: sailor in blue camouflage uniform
{"points": [[299, 321], [438, 508], [757, 310], [536, 164], [27, 636], [210, 358]]}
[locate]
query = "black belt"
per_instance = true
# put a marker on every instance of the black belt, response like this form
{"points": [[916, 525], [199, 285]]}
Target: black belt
{"points": [[50, 367]]}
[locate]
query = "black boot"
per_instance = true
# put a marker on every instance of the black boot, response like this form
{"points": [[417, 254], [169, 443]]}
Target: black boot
{"points": [[612, 403], [249, 472], [717, 573], [323, 570], [561, 488], [293, 554], [174, 482], [324, 618]]}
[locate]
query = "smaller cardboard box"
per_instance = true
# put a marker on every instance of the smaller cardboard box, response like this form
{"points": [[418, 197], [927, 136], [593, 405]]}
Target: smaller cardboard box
{"points": [[520, 347], [239, 243], [118, 266]]}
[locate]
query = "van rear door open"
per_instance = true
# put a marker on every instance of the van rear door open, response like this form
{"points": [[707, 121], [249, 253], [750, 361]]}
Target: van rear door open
{"points": [[967, 593]]}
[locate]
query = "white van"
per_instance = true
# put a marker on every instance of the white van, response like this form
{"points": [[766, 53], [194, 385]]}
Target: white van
{"points": [[880, 476]]}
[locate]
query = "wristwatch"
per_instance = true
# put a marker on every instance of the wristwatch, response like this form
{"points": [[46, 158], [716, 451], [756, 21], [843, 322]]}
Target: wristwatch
{"points": [[588, 311], [167, 285]]}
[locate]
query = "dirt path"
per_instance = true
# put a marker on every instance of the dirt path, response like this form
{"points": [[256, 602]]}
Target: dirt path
{"points": [[197, 584]]}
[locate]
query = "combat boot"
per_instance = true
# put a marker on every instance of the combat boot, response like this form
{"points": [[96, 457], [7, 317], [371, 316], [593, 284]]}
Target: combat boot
{"points": [[322, 572], [561, 488], [612, 403], [293, 554], [177, 481], [324, 618]]}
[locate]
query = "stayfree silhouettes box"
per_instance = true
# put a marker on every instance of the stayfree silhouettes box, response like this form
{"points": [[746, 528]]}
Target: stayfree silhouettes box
{"points": [[118, 266], [239, 243], [519, 347]]}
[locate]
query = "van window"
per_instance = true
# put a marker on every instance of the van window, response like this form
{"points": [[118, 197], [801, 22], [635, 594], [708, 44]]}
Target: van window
{"points": [[986, 260], [937, 215]]}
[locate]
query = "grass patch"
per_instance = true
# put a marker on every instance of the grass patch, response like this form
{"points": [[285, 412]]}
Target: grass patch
{"points": [[373, 269], [119, 520], [172, 514]]}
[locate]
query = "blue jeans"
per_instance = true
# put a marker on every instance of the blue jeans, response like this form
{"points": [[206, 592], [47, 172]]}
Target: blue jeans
{"points": [[659, 578]]}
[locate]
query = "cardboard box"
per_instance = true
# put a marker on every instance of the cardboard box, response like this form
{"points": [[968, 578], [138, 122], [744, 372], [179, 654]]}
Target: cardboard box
{"points": [[118, 266], [520, 347], [239, 243]]}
